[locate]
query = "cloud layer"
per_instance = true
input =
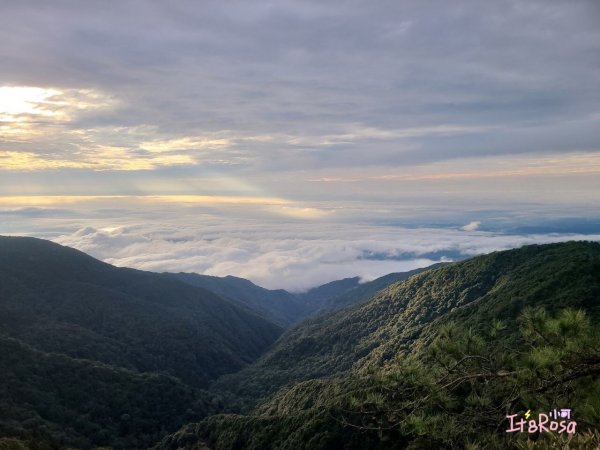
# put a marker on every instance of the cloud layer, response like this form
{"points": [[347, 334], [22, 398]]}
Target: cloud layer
{"points": [[249, 89], [287, 256], [273, 242], [294, 142]]}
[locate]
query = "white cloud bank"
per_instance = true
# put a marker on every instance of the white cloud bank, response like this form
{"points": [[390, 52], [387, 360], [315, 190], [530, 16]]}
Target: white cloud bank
{"points": [[287, 255], [259, 239]]}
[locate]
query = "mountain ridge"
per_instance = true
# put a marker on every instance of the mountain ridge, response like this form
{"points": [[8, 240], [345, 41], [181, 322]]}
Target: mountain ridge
{"points": [[278, 306], [95, 355], [287, 309], [50, 287], [349, 352]]}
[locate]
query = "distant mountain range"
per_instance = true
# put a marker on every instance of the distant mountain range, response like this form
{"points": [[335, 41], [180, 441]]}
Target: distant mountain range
{"points": [[284, 308], [98, 356], [277, 306]]}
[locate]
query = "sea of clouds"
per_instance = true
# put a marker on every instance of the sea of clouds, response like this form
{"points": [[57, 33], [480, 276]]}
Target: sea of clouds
{"points": [[253, 242], [292, 256]]}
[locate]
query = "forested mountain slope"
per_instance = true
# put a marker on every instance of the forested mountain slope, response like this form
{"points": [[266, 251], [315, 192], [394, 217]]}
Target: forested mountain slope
{"points": [[61, 300], [91, 354], [277, 306], [285, 308], [496, 285], [50, 400], [320, 295], [435, 361], [364, 291]]}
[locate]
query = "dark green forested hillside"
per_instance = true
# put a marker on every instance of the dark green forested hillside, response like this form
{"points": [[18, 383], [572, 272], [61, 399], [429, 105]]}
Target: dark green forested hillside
{"points": [[60, 300], [435, 361], [53, 400], [365, 291], [320, 295], [78, 336], [483, 288], [277, 306], [284, 308], [96, 356]]}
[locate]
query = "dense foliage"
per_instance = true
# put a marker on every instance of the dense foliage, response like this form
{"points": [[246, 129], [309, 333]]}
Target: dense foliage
{"points": [[91, 354], [405, 315], [286, 308], [60, 300], [435, 361], [455, 395], [364, 291], [51, 400]]}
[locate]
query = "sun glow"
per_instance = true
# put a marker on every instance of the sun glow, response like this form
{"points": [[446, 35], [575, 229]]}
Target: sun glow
{"points": [[45, 200], [16, 101], [275, 206], [22, 104], [37, 133]]}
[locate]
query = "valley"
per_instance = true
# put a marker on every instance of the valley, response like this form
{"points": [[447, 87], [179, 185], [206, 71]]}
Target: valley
{"points": [[95, 356]]}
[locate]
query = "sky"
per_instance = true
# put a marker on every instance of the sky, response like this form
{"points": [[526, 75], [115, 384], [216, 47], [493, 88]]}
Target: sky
{"points": [[297, 142]]}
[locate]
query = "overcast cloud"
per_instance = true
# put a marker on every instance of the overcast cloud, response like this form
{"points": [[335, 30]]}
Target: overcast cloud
{"points": [[463, 122], [261, 86]]}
